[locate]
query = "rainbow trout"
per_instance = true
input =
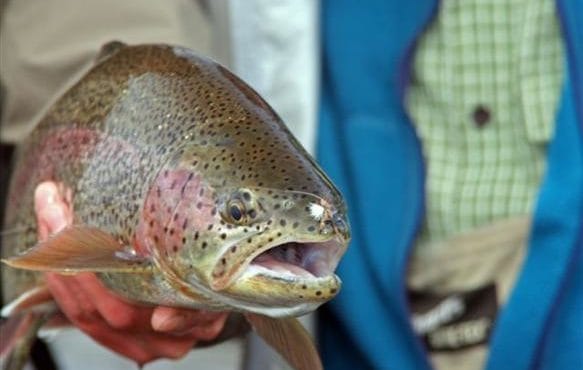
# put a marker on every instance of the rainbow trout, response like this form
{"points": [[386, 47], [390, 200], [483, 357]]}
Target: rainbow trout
{"points": [[188, 191]]}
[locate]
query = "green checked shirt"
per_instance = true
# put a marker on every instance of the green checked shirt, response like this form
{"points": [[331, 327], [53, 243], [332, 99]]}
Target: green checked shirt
{"points": [[487, 77]]}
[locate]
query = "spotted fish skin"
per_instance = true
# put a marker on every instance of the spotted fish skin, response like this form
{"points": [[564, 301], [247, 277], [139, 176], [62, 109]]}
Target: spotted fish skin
{"points": [[190, 170]]}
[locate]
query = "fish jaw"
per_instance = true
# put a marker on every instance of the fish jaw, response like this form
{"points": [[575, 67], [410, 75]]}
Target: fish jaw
{"points": [[292, 278], [283, 279]]}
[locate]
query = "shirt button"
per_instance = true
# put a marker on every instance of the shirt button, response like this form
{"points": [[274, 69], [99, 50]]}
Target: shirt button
{"points": [[481, 116]]}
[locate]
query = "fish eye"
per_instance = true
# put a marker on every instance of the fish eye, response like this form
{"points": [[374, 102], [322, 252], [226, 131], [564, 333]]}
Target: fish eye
{"points": [[236, 212], [239, 207]]}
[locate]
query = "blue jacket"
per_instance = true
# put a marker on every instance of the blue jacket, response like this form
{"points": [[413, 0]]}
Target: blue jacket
{"points": [[369, 147]]}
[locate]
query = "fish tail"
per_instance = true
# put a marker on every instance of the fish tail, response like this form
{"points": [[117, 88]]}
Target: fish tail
{"points": [[18, 335]]}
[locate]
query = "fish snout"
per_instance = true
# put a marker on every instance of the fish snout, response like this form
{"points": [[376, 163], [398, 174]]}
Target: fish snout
{"points": [[341, 225]]}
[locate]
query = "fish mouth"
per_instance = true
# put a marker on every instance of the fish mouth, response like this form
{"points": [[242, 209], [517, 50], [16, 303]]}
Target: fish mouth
{"points": [[286, 278], [298, 260]]}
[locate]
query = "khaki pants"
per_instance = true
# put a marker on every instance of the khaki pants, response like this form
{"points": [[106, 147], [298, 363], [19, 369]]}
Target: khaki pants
{"points": [[458, 287]]}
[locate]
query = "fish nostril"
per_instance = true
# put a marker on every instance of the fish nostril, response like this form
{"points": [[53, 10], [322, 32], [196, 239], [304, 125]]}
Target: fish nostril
{"points": [[340, 225], [326, 227]]}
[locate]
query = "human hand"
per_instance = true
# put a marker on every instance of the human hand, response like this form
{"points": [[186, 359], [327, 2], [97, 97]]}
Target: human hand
{"points": [[142, 334]]}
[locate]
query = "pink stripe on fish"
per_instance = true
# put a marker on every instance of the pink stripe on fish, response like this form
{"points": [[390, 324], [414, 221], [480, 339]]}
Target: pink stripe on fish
{"points": [[177, 202]]}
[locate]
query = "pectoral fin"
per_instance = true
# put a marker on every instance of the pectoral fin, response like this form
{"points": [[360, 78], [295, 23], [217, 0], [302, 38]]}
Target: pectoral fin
{"points": [[109, 49], [76, 249], [289, 338]]}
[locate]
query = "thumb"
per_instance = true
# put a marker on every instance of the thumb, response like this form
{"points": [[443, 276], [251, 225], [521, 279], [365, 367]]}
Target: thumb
{"points": [[168, 319], [51, 210]]}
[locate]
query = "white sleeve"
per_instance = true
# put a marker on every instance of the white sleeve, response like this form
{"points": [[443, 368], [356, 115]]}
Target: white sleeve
{"points": [[274, 47]]}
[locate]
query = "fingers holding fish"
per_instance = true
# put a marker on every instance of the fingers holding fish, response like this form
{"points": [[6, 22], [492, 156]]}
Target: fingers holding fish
{"points": [[72, 299], [175, 320], [119, 326], [209, 331], [143, 347], [121, 315], [52, 210], [116, 312]]}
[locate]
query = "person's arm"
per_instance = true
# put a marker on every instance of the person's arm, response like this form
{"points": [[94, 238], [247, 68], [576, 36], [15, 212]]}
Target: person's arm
{"points": [[142, 334]]}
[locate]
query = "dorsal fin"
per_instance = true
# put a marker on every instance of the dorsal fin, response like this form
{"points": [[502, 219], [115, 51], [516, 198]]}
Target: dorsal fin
{"points": [[109, 49]]}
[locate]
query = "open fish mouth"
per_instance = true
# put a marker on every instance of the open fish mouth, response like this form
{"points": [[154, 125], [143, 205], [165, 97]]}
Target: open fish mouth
{"points": [[298, 260], [287, 277]]}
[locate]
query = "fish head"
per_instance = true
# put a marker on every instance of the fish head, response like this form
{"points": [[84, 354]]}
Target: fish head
{"points": [[256, 238], [246, 216], [274, 248], [261, 248]]}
